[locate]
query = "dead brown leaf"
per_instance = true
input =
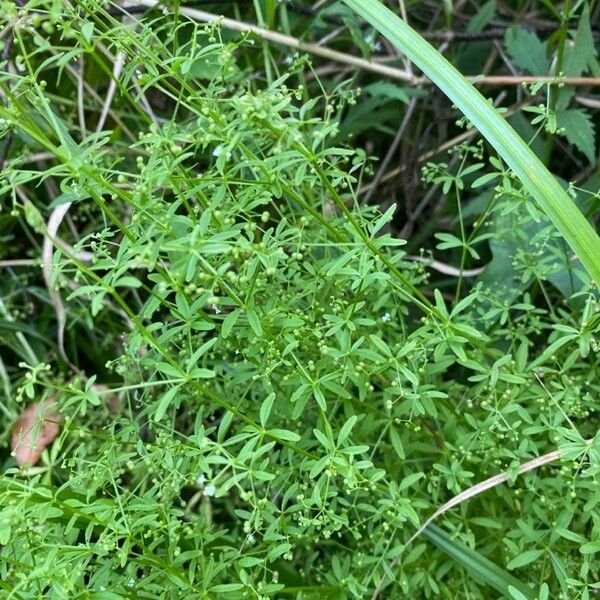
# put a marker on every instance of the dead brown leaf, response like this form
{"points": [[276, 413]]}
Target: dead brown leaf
{"points": [[37, 427]]}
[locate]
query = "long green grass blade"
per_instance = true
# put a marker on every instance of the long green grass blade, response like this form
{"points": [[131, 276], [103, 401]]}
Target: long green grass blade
{"points": [[475, 564], [536, 178]]}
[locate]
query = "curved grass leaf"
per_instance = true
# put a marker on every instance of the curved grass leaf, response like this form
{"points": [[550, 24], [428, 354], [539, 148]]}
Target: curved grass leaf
{"points": [[477, 565], [536, 178]]}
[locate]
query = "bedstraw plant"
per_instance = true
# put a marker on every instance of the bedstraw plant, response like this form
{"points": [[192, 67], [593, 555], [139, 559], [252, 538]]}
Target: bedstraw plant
{"points": [[262, 394]]}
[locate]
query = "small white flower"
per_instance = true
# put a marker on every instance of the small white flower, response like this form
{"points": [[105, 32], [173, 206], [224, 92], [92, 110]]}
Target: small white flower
{"points": [[217, 151], [201, 479], [210, 490], [288, 60], [386, 317]]}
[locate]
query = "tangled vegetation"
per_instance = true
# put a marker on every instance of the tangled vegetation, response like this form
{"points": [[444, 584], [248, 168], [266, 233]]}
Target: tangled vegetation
{"points": [[257, 362]]}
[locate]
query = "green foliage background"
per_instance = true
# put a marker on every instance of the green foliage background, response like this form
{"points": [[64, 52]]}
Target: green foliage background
{"points": [[267, 385]]}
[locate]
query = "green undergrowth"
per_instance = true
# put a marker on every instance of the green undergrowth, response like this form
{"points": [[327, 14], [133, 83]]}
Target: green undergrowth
{"points": [[267, 395]]}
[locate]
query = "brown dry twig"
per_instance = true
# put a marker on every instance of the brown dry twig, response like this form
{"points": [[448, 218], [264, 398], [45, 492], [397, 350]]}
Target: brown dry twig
{"points": [[361, 63]]}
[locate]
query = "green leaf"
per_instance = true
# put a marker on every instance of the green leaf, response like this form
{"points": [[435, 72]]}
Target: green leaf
{"points": [[200, 373], [284, 434], [278, 551], [581, 55], [570, 535], [534, 175], [381, 345], [484, 179], [516, 594], [410, 480], [201, 351], [165, 402], [579, 130], [168, 369], [33, 217], [324, 440], [320, 398], [229, 321], [551, 349], [346, 429], [249, 561], [355, 449], [590, 548], [226, 587], [229, 483], [5, 532], [397, 443], [224, 425], [254, 320], [524, 559], [385, 218], [448, 241], [526, 50], [476, 564], [483, 17], [318, 467], [265, 408], [87, 30], [128, 282]]}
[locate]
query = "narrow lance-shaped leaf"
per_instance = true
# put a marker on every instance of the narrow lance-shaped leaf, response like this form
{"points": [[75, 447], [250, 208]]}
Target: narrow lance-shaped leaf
{"points": [[536, 178], [477, 564]]}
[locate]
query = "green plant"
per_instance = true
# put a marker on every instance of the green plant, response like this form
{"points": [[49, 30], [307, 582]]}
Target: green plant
{"points": [[536, 178], [263, 395]]}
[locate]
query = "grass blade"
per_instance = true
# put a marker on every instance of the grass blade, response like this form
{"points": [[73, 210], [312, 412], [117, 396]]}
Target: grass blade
{"points": [[476, 564], [469, 493], [536, 178]]}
